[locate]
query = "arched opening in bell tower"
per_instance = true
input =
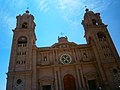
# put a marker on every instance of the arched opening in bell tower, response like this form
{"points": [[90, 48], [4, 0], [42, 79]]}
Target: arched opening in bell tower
{"points": [[22, 40], [101, 36], [25, 25]]}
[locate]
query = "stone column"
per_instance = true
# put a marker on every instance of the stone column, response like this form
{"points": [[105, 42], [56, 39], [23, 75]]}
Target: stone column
{"points": [[58, 77], [78, 77], [34, 82], [74, 56], [82, 77], [53, 56]]}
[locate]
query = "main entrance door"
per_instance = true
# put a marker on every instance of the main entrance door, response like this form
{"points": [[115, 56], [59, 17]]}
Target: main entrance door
{"points": [[46, 87], [69, 82]]}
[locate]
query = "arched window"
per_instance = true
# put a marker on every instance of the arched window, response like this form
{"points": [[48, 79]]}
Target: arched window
{"points": [[22, 40], [101, 36], [84, 55], [87, 25], [45, 58], [25, 25]]}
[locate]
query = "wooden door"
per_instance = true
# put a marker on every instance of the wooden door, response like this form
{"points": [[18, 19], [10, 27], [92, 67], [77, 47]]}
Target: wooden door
{"points": [[69, 82]]}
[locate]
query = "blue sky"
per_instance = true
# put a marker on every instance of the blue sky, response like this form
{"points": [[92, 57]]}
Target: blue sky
{"points": [[53, 17]]}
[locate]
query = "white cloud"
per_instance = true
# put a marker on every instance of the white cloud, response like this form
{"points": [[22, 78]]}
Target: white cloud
{"points": [[8, 22], [42, 5], [7, 13], [73, 10]]}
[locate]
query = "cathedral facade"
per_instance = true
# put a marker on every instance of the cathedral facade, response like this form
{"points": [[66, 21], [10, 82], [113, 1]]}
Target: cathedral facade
{"points": [[64, 65]]}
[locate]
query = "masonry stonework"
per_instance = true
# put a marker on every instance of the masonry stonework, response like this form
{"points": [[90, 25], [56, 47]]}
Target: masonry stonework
{"points": [[65, 65]]}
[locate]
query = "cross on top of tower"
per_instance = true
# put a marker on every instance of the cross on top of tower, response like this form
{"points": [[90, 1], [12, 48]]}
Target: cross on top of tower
{"points": [[86, 9], [61, 34]]}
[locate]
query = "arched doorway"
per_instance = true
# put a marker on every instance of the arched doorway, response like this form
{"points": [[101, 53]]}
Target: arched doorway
{"points": [[69, 82]]}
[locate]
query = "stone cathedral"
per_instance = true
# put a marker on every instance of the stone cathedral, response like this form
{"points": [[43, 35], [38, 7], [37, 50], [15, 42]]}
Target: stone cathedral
{"points": [[64, 65]]}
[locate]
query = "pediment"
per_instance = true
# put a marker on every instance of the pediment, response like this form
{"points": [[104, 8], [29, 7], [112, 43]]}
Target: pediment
{"points": [[64, 45]]}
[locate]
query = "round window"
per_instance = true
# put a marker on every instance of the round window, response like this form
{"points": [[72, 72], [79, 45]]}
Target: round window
{"points": [[19, 81], [65, 59]]}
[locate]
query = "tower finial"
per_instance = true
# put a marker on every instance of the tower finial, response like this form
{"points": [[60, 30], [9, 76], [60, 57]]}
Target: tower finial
{"points": [[27, 11], [86, 9]]}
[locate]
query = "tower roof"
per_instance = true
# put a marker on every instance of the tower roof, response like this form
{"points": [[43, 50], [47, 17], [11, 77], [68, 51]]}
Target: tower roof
{"points": [[62, 39]]}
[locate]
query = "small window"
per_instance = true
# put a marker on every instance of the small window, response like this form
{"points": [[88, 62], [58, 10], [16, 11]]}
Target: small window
{"points": [[22, 40], [87, 25], [94, 22], [84, 55], [24, 62], [17, 62], [101, 36], [45, 58]]}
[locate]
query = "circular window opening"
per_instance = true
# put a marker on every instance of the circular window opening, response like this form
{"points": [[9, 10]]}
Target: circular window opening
{"points": [[19, 81]]}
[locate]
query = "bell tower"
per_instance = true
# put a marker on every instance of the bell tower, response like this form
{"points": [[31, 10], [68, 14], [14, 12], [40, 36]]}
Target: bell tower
{"points": [[106, 55], [96, 33], [20, 65]]}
